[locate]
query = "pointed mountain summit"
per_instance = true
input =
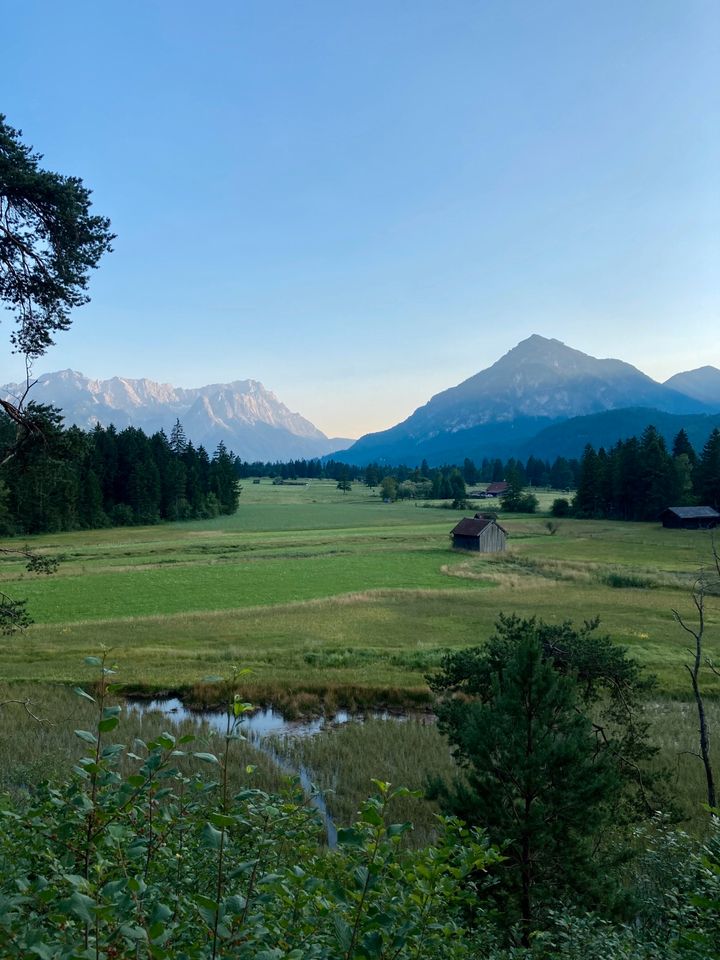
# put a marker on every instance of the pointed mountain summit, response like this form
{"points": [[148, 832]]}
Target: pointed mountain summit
{"points": [[537, 383], [702, 384], [545, 378], [247, 417]]}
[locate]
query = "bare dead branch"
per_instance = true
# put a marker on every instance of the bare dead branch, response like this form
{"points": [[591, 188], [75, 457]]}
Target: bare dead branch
{"points": [[27, 703]]}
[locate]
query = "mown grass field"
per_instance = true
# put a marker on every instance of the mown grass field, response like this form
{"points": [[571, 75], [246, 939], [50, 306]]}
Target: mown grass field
{"points": [[313, 589]]}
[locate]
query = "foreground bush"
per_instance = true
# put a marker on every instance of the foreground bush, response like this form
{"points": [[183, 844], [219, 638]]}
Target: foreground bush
{"points": [[160, 863]]}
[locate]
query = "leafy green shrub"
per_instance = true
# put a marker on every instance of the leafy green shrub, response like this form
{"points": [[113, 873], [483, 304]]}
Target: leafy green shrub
{"points": [[561, 507], [161, 864], [145, 859], [522, 503], [622, 581]]}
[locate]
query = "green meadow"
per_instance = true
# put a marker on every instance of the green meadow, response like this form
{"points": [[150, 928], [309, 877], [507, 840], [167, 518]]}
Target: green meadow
{"points": [[316, 590]]}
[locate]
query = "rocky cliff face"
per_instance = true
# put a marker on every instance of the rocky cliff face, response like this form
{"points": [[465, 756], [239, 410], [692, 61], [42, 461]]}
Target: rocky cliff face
{"points": [[545, 378], [246, 416]]}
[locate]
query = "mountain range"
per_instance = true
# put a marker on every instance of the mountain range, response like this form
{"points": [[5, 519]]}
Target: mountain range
{"points": [[541, 398], [247, 417], [534, 400]]}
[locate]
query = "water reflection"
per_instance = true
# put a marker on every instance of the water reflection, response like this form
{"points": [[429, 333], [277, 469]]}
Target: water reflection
{"points": [[265, 729]]}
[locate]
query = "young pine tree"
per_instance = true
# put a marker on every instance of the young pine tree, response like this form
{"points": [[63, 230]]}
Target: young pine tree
{"points": [[545, 724]]}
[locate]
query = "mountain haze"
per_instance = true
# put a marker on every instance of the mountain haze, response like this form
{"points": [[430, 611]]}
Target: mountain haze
{"points": [[538, 383], [246, 416], [702, 384]]}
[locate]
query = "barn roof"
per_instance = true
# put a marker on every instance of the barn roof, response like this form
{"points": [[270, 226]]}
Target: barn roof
{"points": [[692, 513], [500, 486], [473, 527]]}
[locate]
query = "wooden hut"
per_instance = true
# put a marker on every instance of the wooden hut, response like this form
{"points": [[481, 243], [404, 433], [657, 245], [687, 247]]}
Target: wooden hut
{"points": [[482, 534], [690, 518], [497, 489]]}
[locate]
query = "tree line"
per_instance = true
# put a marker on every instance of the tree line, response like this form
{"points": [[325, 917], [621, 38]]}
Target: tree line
{"points": [[437, 483], [639, 477], [67, 478]]}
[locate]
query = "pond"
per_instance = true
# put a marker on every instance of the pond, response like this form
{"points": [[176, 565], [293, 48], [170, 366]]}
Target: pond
{"points": [[271, 734]]}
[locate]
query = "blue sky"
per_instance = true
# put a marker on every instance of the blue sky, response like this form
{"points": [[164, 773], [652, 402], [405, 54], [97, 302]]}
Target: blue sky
{"points": [[362, 202]]}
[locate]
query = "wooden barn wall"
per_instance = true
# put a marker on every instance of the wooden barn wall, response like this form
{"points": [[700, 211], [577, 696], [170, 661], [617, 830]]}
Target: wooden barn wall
{"points": [[492, 539]]}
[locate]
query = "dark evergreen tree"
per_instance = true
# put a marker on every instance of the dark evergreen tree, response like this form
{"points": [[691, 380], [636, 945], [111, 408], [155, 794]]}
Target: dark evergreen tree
{"points": [[682, 445], [658, 475], [344, 481], [48, 245], [372, 475], [625, 475], [561, 475], [534, 779], [590, 495], [707, 486], [178, 439], [223, 483], [515, 499], [469, 471], [547, 724]]}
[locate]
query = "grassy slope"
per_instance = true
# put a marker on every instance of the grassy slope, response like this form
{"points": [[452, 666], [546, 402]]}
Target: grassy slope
{"points": [[309, 587]]}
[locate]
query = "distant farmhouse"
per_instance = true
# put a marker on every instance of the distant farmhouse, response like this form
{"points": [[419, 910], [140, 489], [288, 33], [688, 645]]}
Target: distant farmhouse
{"points": [[479, 533], [498, 489], [690, 518]]}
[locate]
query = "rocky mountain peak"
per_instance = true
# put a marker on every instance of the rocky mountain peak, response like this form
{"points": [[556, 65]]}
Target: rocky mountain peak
{"points": [[246, 416], [538, 382]]}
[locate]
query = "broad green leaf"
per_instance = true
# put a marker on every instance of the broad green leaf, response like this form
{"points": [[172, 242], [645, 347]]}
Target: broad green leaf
{"points": [[350, 837], [221, 820], [79, 692], [397, 829], [160, 913], [43, 951], [133, 932], [137, 885], [343, 931], [370, 815], [86, 736], [211, 837], [79, 904], [207, 909], [235, 904]]}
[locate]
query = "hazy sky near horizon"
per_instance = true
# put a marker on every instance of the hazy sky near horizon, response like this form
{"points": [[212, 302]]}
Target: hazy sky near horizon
{"points": [[362, 203]]}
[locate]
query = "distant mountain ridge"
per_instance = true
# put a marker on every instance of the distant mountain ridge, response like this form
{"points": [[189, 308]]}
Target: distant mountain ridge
{"points": [[539, 383], [246, 416], [702, 384]]}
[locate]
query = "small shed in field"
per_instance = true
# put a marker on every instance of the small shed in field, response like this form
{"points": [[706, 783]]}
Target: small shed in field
{"points": [[479, 533], [690, 518], [497, 489]]}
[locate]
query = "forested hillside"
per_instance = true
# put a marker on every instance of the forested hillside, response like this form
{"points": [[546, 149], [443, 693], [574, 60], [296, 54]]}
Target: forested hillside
{"points": [[64, 479], [638, 478]]}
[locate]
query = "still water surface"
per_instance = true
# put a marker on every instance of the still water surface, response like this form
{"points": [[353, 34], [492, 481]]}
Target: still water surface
{"points": [[264, 729]]}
